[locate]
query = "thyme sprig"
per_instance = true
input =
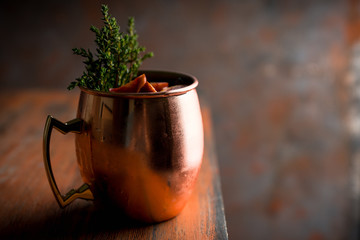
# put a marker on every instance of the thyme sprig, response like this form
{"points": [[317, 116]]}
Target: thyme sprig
{"points": [[118, 57]]}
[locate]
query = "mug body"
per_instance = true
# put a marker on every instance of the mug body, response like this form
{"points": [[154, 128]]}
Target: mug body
{"points": [[141, 153]]}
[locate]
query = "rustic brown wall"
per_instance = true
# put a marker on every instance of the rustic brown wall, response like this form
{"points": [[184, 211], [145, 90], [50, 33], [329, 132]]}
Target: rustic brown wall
{"points": [[272, 72]]}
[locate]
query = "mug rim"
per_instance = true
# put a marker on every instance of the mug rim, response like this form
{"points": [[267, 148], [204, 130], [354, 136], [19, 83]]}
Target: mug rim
{"points": [[163, 74]]}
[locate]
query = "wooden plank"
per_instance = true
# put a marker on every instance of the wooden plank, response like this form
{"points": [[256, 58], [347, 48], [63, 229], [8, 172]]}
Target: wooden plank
{"points": [[28, 209]]}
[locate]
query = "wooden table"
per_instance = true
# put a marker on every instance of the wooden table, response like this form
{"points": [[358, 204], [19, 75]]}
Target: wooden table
{"points": [[28, 209]]}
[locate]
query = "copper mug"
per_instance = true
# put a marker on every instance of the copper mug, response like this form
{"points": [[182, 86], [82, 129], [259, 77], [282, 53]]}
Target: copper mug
{"points": [[139, 152]]}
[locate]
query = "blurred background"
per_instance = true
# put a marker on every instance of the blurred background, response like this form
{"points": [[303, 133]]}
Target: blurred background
{"points": [[277, 76]]}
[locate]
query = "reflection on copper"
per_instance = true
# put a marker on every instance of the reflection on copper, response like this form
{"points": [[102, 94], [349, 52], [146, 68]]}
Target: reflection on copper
{"points": [[142, 152]]}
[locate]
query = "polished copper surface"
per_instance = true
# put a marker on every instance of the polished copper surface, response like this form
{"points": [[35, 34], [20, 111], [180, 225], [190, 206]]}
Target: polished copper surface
{"points": [[142, 152]]}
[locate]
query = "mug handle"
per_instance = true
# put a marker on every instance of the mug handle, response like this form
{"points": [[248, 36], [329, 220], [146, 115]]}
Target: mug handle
{"points": [[76, 126]]}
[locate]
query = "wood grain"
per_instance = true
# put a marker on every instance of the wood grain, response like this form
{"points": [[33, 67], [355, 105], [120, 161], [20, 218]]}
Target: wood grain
{"points": [[28, 209]]}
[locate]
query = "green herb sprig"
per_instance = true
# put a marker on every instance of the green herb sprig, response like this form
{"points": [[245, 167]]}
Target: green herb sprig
{"points": [[118, 56]]}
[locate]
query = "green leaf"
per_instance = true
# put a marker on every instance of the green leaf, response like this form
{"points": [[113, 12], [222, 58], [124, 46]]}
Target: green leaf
{"points": [[118, 56]]}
